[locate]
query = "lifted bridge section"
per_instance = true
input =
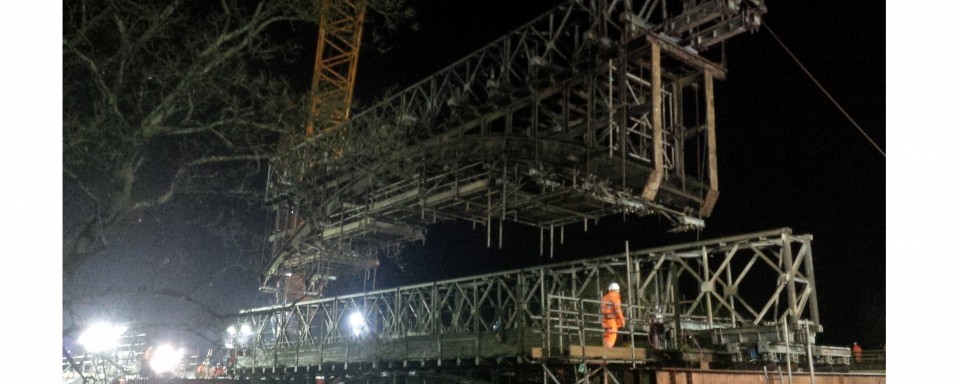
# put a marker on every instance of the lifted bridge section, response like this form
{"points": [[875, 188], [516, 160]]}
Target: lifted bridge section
{"points": [[592, 109]]}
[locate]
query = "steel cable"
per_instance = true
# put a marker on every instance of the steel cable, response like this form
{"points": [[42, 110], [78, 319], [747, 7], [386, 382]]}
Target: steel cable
{"points": [[824, 90]]}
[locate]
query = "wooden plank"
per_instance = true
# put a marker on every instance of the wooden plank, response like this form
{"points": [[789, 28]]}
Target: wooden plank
{"points": [[616, 353]]}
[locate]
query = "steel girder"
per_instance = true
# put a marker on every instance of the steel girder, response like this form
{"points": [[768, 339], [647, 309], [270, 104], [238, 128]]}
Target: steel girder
{"points": [[566, 119], [693, 289]]}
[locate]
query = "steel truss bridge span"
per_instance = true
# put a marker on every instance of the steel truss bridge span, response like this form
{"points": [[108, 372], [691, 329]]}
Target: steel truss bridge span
{"points": [[551, 314], [594, 108]]}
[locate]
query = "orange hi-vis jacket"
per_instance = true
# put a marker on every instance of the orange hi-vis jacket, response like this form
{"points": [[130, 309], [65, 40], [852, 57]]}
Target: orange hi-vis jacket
{"points": [[610, 308]]}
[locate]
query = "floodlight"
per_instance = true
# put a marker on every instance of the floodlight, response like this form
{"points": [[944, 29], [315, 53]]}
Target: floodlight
{"points": [[232, 330], [101, 337], [357, 323], [166, 358], [246, 330]]}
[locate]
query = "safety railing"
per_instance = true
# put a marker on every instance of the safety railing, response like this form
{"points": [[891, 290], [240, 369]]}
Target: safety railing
{"points": [[869, 361], [572, 322]]}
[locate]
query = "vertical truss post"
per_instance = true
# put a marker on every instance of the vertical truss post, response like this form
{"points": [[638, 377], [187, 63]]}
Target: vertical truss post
{"points": [[622, 118], [730, 289], [790, 273], [714, 191], [323, 329], [706, 287], [475, 314], [675, 282], [545, 319], [656, 175], [630, 299], [435, 315], [521, 304], [812, 301], [681, 130]]}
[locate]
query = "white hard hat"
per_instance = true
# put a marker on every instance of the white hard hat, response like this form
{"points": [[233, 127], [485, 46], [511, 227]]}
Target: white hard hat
{"points": [[614, 287]]}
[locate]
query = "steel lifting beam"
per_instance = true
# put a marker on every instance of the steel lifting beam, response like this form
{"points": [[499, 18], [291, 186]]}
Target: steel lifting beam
{"points": [[653, 182], [714, 191]]}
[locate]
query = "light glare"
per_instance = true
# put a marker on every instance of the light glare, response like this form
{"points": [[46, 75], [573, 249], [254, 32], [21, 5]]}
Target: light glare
{"points": [[357, 323], [101, 337], [166, 358]]}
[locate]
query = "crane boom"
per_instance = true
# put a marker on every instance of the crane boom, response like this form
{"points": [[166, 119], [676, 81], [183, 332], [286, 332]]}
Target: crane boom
{"points": [[331, 93], [335, 67]]}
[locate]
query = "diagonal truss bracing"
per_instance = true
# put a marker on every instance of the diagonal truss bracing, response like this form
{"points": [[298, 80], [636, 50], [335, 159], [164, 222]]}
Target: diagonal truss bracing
{"points": [[594, 108], [696, 288]]}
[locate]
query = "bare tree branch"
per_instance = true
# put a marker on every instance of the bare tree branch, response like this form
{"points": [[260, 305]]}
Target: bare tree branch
{"points": [[172, 104], [82, 186], [141, 94]]}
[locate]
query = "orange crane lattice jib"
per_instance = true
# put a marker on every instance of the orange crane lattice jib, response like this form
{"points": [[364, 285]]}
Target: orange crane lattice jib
{"points": [[335, 68]]}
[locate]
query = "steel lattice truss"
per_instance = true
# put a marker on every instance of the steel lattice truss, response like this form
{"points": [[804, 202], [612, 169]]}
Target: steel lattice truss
{"points": [[335, 66], [697, 288], [594, 108]]}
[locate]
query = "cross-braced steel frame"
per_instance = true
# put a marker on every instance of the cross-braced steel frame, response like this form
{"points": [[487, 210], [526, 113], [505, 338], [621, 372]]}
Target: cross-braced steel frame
{"points": [[729, 295], [594, 108]]}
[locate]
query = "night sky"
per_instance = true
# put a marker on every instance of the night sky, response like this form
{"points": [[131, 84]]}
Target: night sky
{"points": [[787, 158]]}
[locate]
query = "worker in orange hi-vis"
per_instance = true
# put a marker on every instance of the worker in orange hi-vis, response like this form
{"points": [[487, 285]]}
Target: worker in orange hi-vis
{"points": [[857, 353], [612, 315]]}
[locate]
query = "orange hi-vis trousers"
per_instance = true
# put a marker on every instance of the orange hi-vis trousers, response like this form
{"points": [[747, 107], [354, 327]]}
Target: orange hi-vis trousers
{"points": [[609, 337], [610, 326]]}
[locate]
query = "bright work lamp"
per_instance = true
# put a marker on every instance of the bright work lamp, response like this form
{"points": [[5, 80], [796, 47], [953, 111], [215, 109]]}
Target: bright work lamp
{"points": [[101, 337]]}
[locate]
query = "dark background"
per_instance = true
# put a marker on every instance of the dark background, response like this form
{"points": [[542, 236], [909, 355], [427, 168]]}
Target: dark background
{"points": [[787, 158]]}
